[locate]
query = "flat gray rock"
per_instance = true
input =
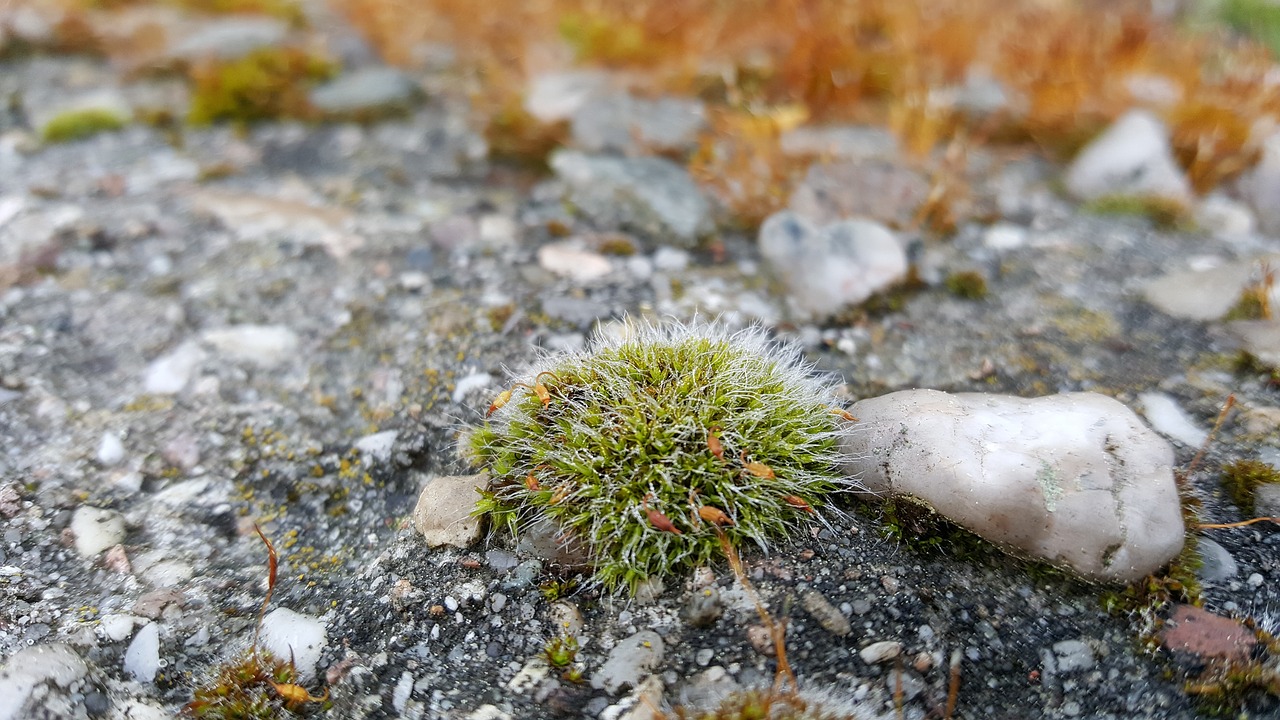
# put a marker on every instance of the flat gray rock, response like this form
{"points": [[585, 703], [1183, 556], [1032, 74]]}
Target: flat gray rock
{"points": [[1075, 480], [651, 196]]}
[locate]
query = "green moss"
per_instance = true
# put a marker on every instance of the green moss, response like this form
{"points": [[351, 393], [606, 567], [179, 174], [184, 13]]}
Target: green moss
{"points": [[599, 39], [79, 124], [633, 448], [968, 284], [1165, 213], [266, 84], [1252, 305], [1243, 477], [1259, 19], [250, 688]]}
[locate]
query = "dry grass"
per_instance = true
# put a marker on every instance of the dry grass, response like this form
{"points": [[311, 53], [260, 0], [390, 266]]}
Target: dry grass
{"points": [[1071, 67]]}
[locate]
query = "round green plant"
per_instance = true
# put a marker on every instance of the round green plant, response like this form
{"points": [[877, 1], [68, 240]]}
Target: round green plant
{"points": [[658, 441]]}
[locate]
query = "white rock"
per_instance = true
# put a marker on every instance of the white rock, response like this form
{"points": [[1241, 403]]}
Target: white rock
{"points": [[1261, 186], [1073, 655], [110, 449], [488, 712], [257, 218], [55, 663], [1076, 480], [474, 381], [826, 269], [142, 659], [1132, 158], [170, 373], [878, 652], [377, 446], [629, 661], [568, 259], [642, 703], [264, 345], [443, 512], [138, 710], [230, 37], [96, 530], [289, 634], [404, 688], [1168, 419], [1004, 236], [1205, 293], [1225, 218], [557, 96], [1259, 338], [1266, 500], [669, 259], [116, 626]]}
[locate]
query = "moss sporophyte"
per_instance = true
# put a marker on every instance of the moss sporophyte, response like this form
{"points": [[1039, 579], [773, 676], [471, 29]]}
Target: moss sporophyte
{"points": [[659, 438]]}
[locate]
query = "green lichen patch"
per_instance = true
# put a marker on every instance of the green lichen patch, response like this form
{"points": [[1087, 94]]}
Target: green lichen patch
{"points": [[82, 123], [1164, 213], [1243, 477], [967, 285], [649, 445], [266, 84]]}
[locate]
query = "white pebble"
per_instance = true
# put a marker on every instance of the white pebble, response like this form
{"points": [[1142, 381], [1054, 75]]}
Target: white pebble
{"points": [[96, 530], [170, 373], [879, 652], [289, 634], [110, 449], [378, 445], [1255, 580], [142, 659], [1169, 420], [264, 345], [474, 381]]}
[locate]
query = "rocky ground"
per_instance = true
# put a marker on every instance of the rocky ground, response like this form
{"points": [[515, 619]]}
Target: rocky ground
{"points": [[204, 328]]}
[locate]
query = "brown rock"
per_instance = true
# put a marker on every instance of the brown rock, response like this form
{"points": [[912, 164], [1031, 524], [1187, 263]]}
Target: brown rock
{"points": [[1202, 633]]}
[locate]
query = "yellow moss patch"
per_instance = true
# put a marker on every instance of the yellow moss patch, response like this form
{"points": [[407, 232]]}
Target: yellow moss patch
{"points": [[79, 124], [265, 84]]}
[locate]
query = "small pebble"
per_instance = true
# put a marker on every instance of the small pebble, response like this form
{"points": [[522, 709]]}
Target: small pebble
{"points": [[110, 450], [827, 615], [879, 652], [704, 607]]}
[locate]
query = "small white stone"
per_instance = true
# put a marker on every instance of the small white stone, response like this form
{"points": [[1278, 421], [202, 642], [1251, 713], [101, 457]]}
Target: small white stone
{"points": [[117, 627], [110, 449], [830, 267], [1004, 236], [290, 634], [1168, 419], [96, 530], [879, 652], [669, 259], [474, 381], [1132, 158], [566, 259], [264, 345], [377, 447], [404, 688], [557, 96], [488, 712], [629, 661], [170, 373], [142, 659], [1255, 580]]}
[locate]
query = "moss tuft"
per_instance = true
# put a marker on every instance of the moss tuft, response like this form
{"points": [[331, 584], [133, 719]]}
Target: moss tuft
{"points": [[266, 84], [253, 687], [1164, 213], [647, 446], [79, 124], [967, 285], [1243, 477]]}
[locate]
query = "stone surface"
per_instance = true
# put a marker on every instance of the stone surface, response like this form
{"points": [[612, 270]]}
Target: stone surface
{"points": [[628, 662], [1259, 338], [54, 663], [650, 196], [96, 529], [844, 142], [172, 372], [1195, 630], [1205, 293], [1217, 565], [262, 345], [1261, 186], [365, 91], [1266, 500], [559, 95], [878, 652], [443, 512], [831, 267], [1075, 480], [827, 615], [228, 38], [1131, 158], [623, 123], [887, 192], [569, 259]]}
